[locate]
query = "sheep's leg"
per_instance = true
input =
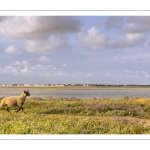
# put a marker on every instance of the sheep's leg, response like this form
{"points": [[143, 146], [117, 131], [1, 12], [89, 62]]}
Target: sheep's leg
{"points": [[8, 109], [23, 110], [20, 108]]}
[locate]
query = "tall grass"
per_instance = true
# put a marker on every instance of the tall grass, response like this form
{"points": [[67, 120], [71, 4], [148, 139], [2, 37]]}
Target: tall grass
{"points": [[53, 124], [77, 116], [139, 107]]}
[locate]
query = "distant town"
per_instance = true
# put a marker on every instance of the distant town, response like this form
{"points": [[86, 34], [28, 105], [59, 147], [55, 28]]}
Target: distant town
{"points": [[64, 85]]}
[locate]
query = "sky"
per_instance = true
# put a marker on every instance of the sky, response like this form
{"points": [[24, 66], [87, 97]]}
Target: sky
{"points": [[75, 49]]}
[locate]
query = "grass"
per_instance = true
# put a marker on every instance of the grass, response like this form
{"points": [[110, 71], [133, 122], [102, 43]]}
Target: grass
{"points": [[79, 116]]}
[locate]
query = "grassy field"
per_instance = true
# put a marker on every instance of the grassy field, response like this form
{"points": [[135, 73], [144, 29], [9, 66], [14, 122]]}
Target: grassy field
{"points": [[78, 116]]}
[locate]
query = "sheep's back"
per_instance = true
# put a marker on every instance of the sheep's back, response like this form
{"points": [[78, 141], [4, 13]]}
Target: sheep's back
{"points": [[11, 101]]}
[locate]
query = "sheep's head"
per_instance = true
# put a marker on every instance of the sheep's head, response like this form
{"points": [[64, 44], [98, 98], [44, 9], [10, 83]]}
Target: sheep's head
{"points": [[27, 93]]}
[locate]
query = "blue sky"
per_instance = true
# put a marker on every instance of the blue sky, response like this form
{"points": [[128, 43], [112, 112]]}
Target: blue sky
{"points": [[75, 49]]}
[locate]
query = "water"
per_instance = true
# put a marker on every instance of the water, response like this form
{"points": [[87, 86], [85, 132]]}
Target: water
{"points": [[77, 93]]}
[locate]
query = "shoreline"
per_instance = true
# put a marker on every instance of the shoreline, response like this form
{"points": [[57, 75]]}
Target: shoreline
{"points": [[80, 87]]}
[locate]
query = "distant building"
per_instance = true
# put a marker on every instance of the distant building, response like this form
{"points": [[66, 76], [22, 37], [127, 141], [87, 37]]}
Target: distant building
{"points": [[59, 85], [28, 85], [36, 85]]}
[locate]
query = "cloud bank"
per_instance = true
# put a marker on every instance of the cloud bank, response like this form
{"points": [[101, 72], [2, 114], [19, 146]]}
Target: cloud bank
{"points": [[45, 33], [119, 32], [40, 33]]}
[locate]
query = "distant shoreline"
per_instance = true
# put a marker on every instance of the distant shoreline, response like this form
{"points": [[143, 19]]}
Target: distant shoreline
{"points": [[80, 87], [77, 92]]}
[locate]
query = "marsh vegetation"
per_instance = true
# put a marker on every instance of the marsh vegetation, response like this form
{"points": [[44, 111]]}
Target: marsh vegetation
{"points": [[79, 116]]}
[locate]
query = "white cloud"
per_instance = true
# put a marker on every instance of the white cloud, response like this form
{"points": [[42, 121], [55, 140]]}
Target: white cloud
{"points": [[135, 76], [128, 40], [89, 74], [143, 72], [133, 39], [53, 42], [146, 75], [40, 33], [43, 59], [94, 39], [64, 65], [127, 71], [130, 31], [19, 63], [12, 50], [56, 73], [40, 67], [9, 70], [138, 55], [25, 27], [47, 70], [15, 71], [25, 70], [39, 70], [8, 67], [136, 24], [107, 75]]}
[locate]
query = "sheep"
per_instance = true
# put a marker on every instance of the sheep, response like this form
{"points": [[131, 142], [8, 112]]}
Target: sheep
{"points": [[14, 101]]}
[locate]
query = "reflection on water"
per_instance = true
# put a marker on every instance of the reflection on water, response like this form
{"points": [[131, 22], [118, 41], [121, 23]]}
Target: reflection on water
{"points": [[78, 93]]}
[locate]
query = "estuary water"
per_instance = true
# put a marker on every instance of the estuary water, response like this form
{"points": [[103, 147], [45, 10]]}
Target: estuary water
{"points": [[76, 92]]}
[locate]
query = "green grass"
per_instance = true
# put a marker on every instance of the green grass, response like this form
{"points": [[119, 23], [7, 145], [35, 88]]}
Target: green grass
{"points": [[78, 116], [138, 107]]}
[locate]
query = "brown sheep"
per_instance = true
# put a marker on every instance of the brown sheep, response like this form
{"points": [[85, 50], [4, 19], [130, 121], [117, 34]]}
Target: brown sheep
{"points": [[14, 101]]}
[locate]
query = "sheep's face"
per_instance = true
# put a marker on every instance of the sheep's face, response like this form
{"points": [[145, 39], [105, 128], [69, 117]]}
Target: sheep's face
{"points": [[27, 93]]}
